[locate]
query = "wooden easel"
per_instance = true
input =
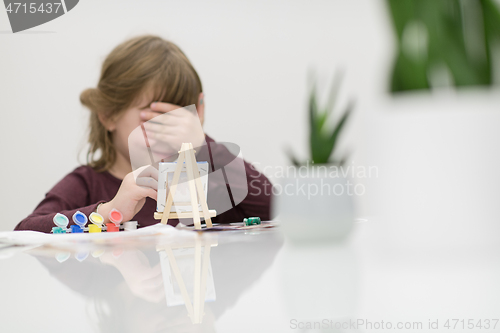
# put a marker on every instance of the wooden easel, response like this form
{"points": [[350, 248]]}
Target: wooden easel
{"points": [[195, 309], [186, 155]]}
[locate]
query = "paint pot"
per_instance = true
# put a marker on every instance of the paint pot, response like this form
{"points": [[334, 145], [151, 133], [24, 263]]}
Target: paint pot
{"points": [[115, 216], [117, 253], [61, 220], [97, 253], [111, 227], [58, 230], [62, 256], [81, 256], [75, 229], [130, 225], [80, 219], [96, 219], [94, 228]]}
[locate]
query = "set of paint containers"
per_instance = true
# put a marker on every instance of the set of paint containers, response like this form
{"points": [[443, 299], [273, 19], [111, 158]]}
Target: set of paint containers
{"points": [[80, 220], [81, 256]]}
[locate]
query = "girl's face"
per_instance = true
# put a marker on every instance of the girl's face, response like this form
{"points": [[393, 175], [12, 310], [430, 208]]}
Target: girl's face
{"points": [[159, 132], [125, 124]]}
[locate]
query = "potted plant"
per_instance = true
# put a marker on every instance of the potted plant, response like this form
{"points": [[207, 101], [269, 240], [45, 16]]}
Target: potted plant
{"points": [[315, 198]]}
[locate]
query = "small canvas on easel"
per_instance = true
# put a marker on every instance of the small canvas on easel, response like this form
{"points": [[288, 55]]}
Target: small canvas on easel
{"points": [[197, 193], [182, 198]]}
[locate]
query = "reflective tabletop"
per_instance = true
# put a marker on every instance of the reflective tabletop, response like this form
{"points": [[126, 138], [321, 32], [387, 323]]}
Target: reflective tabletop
{"points": [[244, 281]]}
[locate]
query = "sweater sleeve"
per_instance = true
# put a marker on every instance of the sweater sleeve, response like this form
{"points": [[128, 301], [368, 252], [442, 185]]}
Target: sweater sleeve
{"points": [[67, 197]]}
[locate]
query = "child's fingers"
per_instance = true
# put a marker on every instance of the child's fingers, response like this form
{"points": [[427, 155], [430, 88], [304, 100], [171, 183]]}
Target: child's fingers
{"points": [[146, 171], [163, 107], [147, 115], [157, 116], [159, 127], [149, 192], [161, 137], [158, 108], [147, 182], [162, 110]]}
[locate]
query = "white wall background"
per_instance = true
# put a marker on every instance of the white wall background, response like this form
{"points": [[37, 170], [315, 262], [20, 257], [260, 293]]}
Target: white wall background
{"points": [[437, 153]]}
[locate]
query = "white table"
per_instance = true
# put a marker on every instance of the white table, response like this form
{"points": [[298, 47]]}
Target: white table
{"points": [[261, 283]]}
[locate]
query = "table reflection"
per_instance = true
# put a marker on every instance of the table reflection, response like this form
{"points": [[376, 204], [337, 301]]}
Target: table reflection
{"points": [[174, 286], [189, 264]]}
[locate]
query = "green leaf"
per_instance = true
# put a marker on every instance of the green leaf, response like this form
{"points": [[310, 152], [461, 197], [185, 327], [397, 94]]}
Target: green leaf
{"points": [[332, 99], [314, 130], [333, 139], [450, 26], [292, 157]]}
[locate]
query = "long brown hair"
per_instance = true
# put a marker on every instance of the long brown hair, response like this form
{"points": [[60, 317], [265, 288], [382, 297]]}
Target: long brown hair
{"points": [[136, 65]]}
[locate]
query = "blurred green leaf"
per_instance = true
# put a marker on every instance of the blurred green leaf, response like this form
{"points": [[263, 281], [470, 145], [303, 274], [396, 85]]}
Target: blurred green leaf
{"points": [[443, 37]]}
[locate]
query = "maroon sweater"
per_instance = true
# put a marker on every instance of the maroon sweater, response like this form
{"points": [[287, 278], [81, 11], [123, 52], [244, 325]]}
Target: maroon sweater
{"points": [[83, 189]]}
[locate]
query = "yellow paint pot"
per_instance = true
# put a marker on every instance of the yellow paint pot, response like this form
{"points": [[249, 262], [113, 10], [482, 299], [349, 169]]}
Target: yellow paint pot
{"points": [[96, 218], [94, 228]]}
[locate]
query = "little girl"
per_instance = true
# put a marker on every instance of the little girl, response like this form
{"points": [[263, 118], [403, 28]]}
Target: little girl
{"points": [[140, 79]]}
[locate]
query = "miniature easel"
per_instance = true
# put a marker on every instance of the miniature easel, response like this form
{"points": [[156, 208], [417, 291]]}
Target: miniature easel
{"points": [[186, 155], [197, 307]]}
